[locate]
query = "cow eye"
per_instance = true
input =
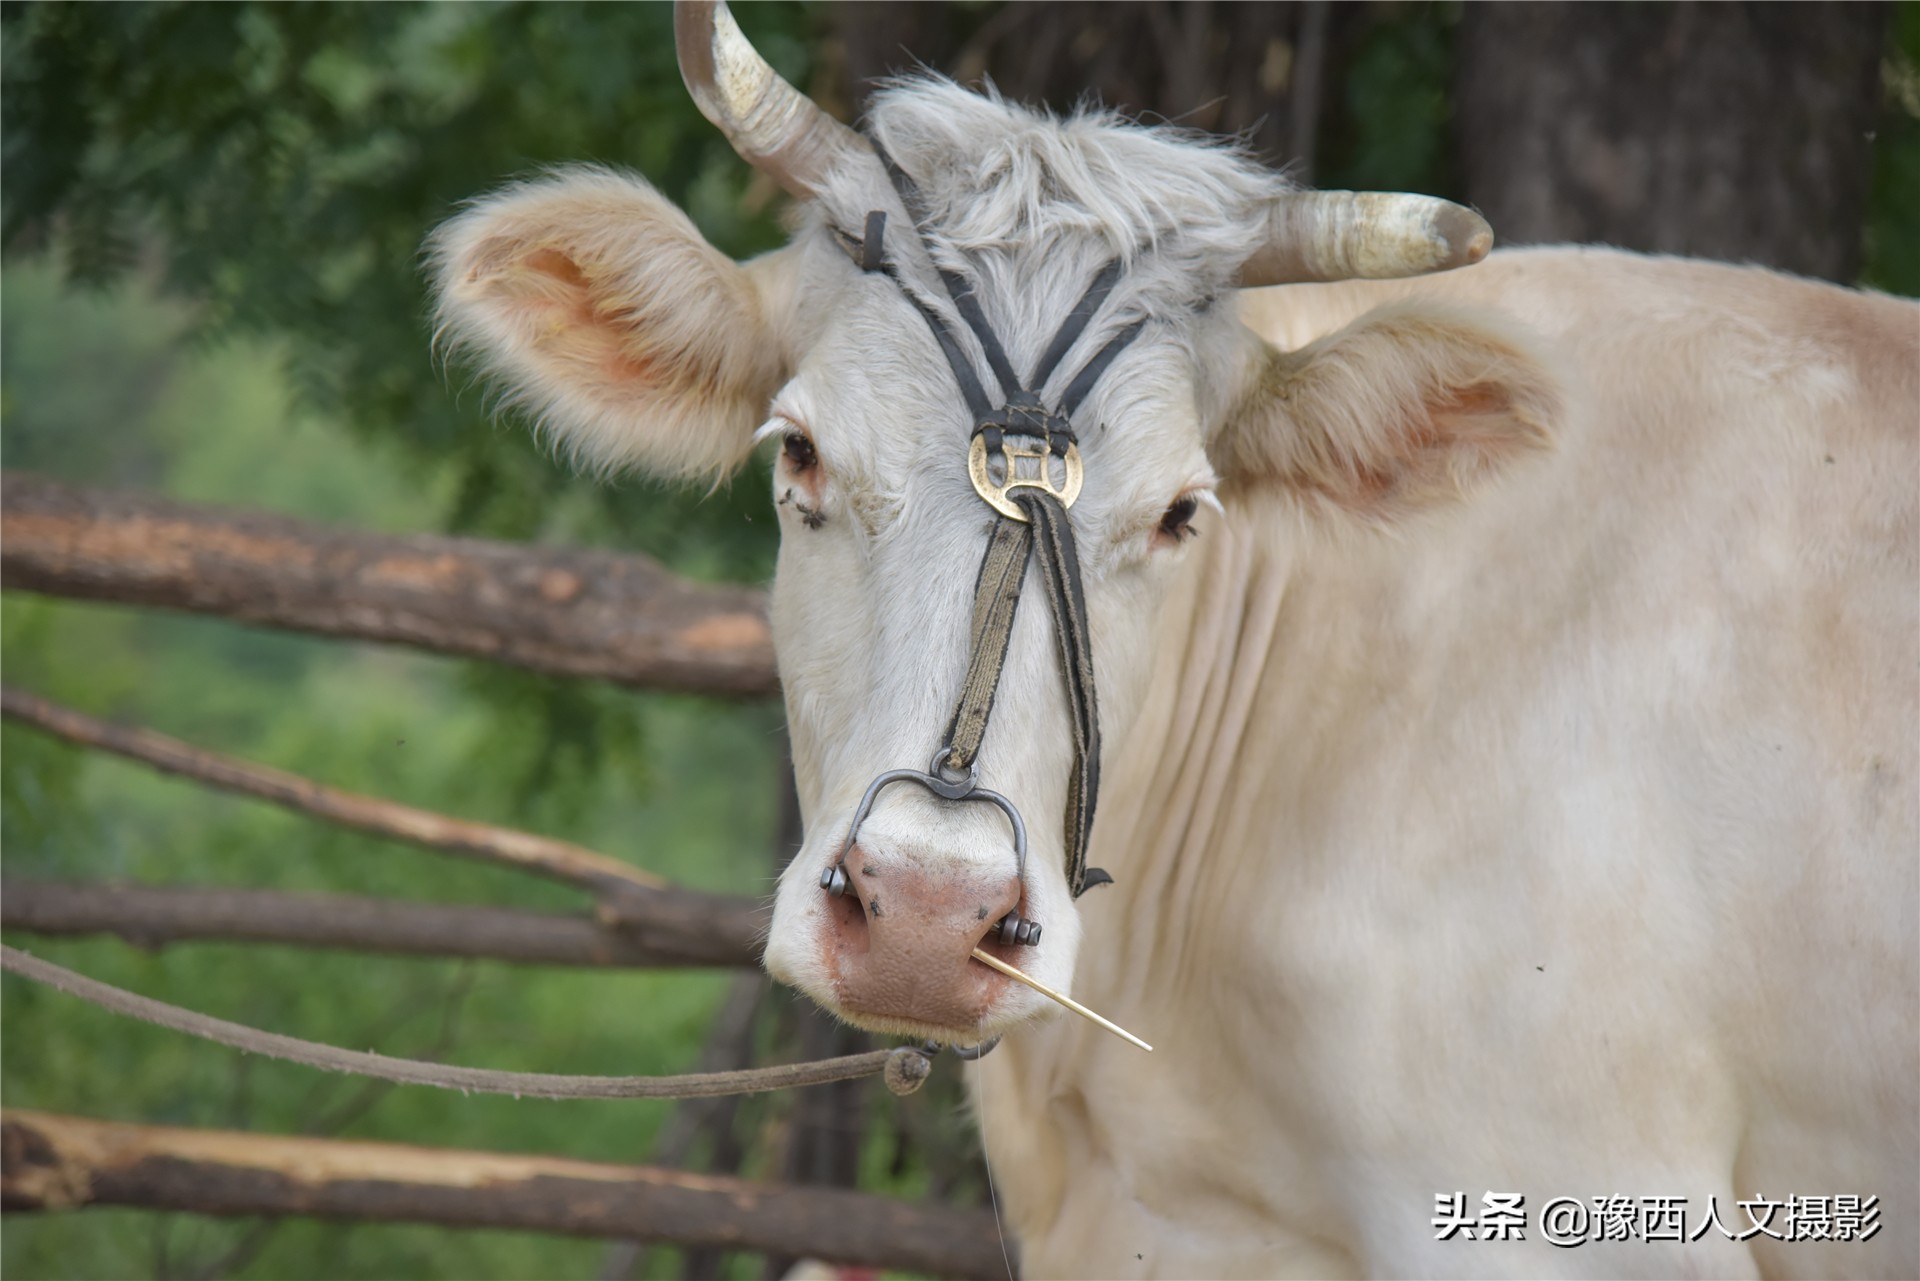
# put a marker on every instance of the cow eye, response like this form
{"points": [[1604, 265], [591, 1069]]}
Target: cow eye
{"points": [[799, 451], [1177, 523]]}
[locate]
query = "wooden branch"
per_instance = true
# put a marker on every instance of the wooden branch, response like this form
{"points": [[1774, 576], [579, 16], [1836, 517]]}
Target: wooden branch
{"points": [[571, 612], [560, 860], [56, 1162], [703, 929], [154, 916]]}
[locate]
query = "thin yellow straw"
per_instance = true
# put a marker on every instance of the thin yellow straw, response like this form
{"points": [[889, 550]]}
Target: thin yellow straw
{"points": [[996, 963]]}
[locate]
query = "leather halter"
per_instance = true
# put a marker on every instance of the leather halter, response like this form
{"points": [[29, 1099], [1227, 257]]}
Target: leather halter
{"points": [[1032, 506]]}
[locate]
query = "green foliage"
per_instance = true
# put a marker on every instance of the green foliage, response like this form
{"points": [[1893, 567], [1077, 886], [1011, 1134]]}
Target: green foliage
{"points": [[235, 197], [284, 163], [681, 785], [1388, 128], [1893, 226]]}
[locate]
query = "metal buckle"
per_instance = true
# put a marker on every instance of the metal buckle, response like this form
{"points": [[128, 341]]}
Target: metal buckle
{"points": [[939, 779], [1039, 476], [966, 789]]}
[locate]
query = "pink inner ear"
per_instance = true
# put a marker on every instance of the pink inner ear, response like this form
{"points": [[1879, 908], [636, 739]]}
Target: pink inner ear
{"points": [[578, 325], [1471, 401], [1453, 439], [628, 338], [551, 262]]}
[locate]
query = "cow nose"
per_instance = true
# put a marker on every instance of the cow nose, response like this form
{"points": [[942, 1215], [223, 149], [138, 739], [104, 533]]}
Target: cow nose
{"points": [[902, 940]]}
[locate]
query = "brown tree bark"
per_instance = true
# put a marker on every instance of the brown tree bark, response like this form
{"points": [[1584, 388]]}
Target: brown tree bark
{"points": [[525, 851], [714, 931], [50, 1162], [620, 618], [701, 928], [1252, 69], [1740, 131]]}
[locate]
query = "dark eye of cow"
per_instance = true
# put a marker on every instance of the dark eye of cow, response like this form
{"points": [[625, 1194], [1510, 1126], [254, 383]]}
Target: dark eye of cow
{"points": [[1178, 521], [799, 451]]}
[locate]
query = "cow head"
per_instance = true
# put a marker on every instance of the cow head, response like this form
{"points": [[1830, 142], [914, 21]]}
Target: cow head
{"points": [[635, 343]]}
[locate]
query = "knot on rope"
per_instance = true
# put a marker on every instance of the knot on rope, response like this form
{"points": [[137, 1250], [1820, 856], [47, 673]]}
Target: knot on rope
{"points": [[907, 1070]]}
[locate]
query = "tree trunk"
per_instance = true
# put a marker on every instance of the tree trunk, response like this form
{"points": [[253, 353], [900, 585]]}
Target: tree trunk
{"points": [[1252, 69], [1738, 131]]}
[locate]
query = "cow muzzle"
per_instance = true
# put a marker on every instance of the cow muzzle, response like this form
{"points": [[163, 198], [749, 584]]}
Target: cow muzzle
{"points": [[899, 942]]}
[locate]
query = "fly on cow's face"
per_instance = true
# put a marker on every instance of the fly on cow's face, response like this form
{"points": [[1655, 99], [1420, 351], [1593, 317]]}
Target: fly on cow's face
{"points": [[810, 516]]}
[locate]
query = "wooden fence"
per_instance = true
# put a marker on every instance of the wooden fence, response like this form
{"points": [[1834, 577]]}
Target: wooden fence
{"points": [[618, 618]]}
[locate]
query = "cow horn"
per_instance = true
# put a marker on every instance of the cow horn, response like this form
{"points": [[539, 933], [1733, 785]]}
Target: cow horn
{"points": [[773, 126], [1364, 235]]}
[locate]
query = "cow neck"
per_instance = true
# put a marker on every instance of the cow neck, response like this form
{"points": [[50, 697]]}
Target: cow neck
{"points": [[1031, 514]]}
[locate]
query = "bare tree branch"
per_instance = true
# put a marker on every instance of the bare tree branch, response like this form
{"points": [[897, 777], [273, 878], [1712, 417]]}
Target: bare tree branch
{"points": [[702, 929], [56, 1162], [560, 860], [154, 916], [571, 612]]}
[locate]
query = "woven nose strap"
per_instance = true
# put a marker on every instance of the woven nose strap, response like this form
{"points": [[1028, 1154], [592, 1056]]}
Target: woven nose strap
{"points": [[996, 597], [996, 600], [1060, 573], [996, 593]]}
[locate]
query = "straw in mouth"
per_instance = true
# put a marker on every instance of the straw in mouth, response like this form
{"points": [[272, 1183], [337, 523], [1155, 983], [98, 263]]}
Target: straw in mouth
{"points": [[995, 962]]}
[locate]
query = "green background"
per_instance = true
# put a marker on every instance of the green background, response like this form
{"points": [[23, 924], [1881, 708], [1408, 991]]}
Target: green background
{"points": [[213, 216]]}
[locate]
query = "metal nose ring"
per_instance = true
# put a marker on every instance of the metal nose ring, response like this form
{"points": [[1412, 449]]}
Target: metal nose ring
{"points": [[1011, 928]]}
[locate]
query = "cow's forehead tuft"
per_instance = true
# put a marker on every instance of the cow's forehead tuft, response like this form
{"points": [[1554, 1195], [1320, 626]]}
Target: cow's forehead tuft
{"points": [[997, 177], [1029, 205]]}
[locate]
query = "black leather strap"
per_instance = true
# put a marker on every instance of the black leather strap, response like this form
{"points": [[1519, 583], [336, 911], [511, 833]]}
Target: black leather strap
{"points": [[996, 600], [1012, 543], [1020, 402], [1076, 323], [978, 406], [1060, 573], [1090, 372]]}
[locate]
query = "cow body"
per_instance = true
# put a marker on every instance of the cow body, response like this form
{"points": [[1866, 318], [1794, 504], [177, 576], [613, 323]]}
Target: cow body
{"points": [[1513, 788], [1562, 844]]}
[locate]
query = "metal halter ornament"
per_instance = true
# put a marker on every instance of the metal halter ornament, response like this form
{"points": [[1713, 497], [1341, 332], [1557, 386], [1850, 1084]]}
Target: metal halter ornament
{"points": [[1030, 485], [1010, 927], [1013, 476]]}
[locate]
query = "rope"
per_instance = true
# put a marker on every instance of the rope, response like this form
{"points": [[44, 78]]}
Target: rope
{"points": [[537, 1085]]}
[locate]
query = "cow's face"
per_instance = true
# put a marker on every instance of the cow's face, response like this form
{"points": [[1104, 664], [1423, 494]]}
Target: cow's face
{"points": [[638, 344], [882, 535]]}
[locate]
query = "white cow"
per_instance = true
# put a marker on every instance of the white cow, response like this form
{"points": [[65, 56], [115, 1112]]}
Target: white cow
{"points": [[1510, 793]]}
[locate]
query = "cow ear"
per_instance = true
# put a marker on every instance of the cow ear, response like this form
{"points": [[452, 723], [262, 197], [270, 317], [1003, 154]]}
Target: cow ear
{"points": [[605, 314], [1405, 408]]}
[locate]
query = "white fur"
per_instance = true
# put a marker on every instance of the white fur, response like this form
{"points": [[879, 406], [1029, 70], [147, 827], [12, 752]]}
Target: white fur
{"points": [[1563, 845], [612, 322], [1552, 834]]}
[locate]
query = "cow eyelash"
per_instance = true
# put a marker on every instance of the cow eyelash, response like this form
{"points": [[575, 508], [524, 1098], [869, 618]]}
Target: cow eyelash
{"points": [[1176, 524]]}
